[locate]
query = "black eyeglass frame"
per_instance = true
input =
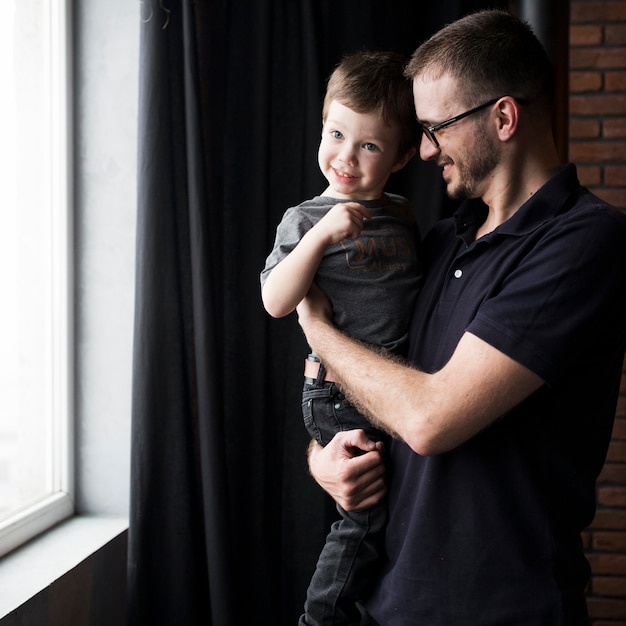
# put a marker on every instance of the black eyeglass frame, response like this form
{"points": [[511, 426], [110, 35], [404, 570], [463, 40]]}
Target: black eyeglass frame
{"points": [[430, 131]]}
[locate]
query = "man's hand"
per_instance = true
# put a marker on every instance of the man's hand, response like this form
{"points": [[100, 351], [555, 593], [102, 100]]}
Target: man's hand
{"points": [[350, 468], [314, 306]]}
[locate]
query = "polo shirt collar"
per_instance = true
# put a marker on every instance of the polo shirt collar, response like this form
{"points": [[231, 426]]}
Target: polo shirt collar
{"points": [[541, 207]]}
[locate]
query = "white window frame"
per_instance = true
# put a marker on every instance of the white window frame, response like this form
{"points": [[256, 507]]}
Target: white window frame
{"points": [[31, 521]]}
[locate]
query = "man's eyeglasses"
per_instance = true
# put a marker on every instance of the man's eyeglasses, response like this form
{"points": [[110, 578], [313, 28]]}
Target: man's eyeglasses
{"points": [[430, 131]]}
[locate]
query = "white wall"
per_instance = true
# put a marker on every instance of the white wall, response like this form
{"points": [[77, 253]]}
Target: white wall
{"points": [[106, 77]]}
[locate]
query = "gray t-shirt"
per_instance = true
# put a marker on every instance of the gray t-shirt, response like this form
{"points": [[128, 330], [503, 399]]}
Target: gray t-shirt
{"points": [[371, 281]]}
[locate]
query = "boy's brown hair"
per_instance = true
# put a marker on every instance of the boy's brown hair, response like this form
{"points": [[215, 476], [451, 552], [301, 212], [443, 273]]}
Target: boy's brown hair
{"points": [[374, 82]]}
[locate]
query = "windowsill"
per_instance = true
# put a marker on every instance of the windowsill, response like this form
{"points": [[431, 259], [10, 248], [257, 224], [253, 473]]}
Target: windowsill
{"points": [[39, 563]]}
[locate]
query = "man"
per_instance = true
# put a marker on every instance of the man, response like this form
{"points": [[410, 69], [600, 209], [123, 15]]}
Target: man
{"points": [[503, 419]]}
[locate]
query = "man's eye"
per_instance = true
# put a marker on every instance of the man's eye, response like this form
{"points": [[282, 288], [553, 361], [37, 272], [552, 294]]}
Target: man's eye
{"points": [[370, 147]]}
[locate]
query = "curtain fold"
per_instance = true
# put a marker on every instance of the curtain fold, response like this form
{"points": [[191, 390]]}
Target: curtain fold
{"points": [[168, 581], [225, 523]]}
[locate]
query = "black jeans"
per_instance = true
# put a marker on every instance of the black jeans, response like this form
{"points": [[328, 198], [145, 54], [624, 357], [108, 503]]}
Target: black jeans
{"points": [[348, 562], [326, 412]]}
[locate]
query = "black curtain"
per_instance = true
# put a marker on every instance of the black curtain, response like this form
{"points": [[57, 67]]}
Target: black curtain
{"points": [[225, 523]]}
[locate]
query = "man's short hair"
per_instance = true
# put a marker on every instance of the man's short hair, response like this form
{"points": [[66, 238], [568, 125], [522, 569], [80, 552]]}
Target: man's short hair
{"points": [[490, 53]]}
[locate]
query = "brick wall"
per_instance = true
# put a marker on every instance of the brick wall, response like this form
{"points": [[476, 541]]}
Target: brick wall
{"points": [[597, 144], [597, 103]]}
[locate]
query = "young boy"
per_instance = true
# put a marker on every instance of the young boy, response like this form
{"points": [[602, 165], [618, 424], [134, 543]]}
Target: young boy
{"points": [[359, 245]]}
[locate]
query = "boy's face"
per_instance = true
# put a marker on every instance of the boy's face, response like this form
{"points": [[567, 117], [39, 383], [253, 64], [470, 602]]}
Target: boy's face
{"points": [[358, 152]]}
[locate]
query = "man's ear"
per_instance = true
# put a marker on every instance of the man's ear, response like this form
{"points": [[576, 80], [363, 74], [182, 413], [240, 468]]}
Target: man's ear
{"points": [[507, 118], [404, 159]]}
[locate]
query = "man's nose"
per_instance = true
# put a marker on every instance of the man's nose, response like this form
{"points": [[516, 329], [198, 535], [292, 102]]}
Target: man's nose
{"points": [[428, 150]]}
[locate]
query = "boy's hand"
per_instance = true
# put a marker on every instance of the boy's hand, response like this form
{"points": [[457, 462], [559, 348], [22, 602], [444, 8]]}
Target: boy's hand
{"points": [[343, 221]]}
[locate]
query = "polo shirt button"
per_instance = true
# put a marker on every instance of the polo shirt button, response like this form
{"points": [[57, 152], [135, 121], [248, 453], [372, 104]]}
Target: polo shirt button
{"points": [[458, 273]]}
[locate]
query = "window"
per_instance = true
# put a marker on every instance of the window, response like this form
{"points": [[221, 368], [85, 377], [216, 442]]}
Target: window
{"points": [[35, 264]]}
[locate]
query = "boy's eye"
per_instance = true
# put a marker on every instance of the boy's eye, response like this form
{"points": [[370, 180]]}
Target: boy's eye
{"points": [[371, 147], [336, 134]]}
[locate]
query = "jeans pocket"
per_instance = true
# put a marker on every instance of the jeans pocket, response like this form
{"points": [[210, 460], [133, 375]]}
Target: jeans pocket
{"points": [[309, 422]]}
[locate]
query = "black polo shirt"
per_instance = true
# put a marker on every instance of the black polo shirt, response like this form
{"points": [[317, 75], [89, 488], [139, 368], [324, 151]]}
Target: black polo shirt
{"points": [[489, 533]]}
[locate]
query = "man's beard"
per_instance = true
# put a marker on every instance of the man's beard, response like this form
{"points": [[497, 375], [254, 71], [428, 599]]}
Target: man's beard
{"points": [[473, 168]]}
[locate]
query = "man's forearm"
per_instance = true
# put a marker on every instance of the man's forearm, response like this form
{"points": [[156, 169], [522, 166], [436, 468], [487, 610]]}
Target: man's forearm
{"points": [[432, 413], [363, 373]]}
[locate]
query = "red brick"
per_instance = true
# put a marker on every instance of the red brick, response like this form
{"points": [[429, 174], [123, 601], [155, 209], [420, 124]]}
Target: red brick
{"points": [[621, 407], [588, 35], [583, 12], [589, 175], [612, 586], [619, 427], [612, 496], [597, 151], [615, 81], [609, 542], [617, 451], [607, 563], [605, 608], [613, 473], [608, 519], [615, 175], [615, 34], [585, 81], [583, 128], [615, 11], [590, 58], [615, 129], [597, 104], [597, 11]]}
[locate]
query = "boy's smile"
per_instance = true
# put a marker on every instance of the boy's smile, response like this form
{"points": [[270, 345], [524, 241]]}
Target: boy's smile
{"points": [[357, 153]]}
